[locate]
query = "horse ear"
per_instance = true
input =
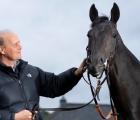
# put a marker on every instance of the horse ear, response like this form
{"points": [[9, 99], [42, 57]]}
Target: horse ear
{"points": [[93, 13], [115, 13]]}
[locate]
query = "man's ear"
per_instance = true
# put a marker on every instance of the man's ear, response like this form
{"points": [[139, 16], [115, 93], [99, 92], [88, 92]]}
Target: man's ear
{"points": [[2, 50]]}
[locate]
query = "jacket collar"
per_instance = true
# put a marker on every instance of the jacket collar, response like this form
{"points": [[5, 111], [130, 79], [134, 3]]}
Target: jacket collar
{"points": [[8, 69]]}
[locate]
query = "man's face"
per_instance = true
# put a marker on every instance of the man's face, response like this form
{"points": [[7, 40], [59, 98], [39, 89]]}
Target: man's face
{"points": [[12, 47]]}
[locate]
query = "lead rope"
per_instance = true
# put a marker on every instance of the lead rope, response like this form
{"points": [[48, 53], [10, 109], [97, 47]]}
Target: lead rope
{"points": [[97, 105], [112, 112], [96, 92]]}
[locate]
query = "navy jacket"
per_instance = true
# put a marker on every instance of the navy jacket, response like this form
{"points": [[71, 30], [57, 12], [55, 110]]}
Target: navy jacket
{"points": [[21, 90]]}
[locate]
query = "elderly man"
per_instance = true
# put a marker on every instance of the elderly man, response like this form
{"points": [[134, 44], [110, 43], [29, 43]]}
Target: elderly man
{"points": [[21, 84]]}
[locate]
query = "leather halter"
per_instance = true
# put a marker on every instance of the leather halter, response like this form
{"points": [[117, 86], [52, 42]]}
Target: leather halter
{"points": [[95, 92]]}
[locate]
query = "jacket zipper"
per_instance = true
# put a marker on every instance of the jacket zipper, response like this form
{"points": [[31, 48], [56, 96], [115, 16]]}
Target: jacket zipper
{"points": [[22, 90], [21, 87], [23, 93]]}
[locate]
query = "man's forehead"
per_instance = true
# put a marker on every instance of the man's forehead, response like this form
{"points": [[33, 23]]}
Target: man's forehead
{"points": [[6, 34], [9, 37]]}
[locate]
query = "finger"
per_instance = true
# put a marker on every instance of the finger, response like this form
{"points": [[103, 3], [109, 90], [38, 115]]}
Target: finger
{"points": [[33, 117], [83, 65], [84, 62], [84, 69]]}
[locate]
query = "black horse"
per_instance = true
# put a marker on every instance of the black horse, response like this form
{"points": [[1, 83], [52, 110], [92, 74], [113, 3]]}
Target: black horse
{"points": [[105, 44]]}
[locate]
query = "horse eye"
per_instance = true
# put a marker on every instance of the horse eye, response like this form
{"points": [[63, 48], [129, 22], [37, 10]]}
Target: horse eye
{"points": [[114, 35]]}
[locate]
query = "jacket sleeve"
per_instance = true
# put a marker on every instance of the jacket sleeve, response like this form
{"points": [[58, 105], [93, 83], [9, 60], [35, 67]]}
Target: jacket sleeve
{"points": [[56, 85], [6, 115]]}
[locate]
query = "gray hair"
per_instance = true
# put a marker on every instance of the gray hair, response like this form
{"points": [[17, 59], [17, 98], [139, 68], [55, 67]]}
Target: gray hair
{"points": [[1, 38], [1, 41]]}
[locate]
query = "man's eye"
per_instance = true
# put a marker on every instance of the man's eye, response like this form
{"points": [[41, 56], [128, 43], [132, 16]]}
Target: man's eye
{"points": [[15, 45]]}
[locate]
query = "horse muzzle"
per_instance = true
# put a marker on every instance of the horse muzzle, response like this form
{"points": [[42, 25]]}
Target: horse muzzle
{"points": [[95, 70], [95, 67]]}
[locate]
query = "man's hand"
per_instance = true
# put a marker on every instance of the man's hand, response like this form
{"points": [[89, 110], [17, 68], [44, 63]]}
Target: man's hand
{"points": [[24, 115], [82, 68]]}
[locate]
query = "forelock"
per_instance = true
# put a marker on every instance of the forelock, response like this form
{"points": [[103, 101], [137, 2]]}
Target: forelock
{"points": [[99, 20]]}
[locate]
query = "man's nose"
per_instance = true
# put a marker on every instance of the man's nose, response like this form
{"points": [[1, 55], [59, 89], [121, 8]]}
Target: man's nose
{"points": [[20, 47]]}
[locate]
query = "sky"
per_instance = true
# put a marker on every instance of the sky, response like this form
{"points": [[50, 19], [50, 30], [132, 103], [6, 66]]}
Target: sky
{"points": [[53, 35]]}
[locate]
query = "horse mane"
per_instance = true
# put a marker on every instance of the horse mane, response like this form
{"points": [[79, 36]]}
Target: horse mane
{"points": [[99, 20]]}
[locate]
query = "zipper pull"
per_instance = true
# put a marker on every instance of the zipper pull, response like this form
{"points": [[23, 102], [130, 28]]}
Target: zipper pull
{"points": [[19, 83]]}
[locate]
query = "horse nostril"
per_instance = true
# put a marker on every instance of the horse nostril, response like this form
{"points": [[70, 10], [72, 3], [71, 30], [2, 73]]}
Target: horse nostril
{"points": [[100, 61], [88, 61]]}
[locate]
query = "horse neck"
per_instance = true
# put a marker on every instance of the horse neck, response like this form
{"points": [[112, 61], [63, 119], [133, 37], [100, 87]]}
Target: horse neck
{"points": [[124, 62], [124, 73]]}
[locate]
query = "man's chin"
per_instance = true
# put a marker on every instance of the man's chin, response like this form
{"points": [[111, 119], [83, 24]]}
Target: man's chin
{"points": [[18, 58]]}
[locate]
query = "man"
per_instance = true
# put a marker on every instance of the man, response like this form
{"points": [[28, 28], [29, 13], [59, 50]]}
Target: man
{"points": [[21, 84]]}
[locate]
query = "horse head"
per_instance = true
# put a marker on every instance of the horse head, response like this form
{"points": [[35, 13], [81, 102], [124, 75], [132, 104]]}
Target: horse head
{"points": [[102, 39]]}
